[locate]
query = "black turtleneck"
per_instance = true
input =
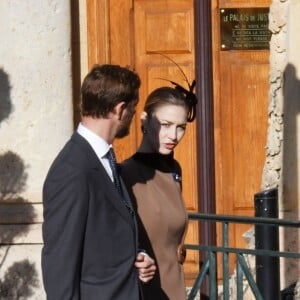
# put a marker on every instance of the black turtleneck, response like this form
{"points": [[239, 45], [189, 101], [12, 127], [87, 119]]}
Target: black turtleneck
{"points": [[162, 162]]}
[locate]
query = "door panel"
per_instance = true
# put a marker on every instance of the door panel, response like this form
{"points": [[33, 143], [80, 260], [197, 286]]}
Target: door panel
{"points": [[243, 123]]}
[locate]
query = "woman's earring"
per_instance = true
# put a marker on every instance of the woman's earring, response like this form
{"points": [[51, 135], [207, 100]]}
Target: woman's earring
{"points": [[143, 121]]}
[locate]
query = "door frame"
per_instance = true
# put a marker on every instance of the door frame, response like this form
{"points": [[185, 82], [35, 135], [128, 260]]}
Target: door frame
{"points": [[205, 128]]}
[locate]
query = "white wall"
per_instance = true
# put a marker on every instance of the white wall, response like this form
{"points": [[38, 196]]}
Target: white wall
{"points": [[36, 118]]}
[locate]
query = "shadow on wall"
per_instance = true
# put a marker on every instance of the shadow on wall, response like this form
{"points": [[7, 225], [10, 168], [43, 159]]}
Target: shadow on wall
{"points": [[291, 161], [5, 103], [19, 279]]}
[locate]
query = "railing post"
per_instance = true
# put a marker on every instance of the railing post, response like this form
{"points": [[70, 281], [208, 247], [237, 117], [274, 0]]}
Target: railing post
{"points": [[266, 237]]}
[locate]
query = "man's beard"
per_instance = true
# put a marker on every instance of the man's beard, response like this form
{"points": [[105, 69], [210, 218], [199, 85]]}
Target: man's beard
{"points": [[124, 127], [122, 132]]}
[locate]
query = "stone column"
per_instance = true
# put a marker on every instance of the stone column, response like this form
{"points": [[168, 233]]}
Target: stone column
{"points": [[282, 167], [36, 119]]}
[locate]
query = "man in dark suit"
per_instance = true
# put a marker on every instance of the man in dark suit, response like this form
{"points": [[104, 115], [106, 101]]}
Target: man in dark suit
{"points": [[90, 237]]}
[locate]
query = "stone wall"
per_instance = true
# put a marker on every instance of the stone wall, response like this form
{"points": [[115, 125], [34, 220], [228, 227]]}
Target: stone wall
{"points": [[35, 121], [282, 167]]}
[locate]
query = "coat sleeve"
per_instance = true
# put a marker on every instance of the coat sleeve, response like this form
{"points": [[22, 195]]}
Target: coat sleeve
{"points": [[65, 200]]}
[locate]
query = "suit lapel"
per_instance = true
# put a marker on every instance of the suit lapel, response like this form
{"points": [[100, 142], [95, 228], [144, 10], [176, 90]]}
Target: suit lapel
{"points": [[103, 178], [134, 216], [113, 194]]}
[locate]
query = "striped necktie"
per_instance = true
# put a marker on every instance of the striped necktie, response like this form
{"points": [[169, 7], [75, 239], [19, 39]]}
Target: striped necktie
{"points": [[113, 164]]}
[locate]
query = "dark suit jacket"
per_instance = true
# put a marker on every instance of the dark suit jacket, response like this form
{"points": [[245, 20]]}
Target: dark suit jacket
{"points": [[90, 240]]}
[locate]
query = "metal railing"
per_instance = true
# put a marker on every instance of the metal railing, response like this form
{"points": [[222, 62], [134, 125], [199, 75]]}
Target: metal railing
{"points": [[209, 265]]}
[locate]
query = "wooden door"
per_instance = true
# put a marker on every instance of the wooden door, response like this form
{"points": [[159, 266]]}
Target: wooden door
{"points": [[167, 27], [241, 93], [129, 32], [133, 33]]}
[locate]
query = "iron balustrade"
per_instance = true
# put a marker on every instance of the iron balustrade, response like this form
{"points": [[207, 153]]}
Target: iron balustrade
{"points": [[209, 266]]}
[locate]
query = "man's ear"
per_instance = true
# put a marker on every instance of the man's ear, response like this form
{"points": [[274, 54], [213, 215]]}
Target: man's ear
{"points": [[119, 109]]}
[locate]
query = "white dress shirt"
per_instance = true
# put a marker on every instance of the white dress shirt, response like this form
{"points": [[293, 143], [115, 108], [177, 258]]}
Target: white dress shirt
{"points": [[99, 145]]}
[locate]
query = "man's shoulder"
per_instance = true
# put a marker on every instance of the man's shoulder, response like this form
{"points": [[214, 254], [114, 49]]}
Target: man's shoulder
{"points": [[71, 156]]}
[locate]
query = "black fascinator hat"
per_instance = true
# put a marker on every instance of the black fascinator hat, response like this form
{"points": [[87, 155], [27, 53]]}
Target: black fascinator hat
{"points": [[189, 95]]}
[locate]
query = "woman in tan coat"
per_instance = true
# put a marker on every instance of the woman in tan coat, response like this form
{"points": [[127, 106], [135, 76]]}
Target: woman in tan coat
{"points": [[153, 177]]}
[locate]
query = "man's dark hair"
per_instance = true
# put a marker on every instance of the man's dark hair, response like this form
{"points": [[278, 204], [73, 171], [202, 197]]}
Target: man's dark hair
{"points": [[105, 86]]}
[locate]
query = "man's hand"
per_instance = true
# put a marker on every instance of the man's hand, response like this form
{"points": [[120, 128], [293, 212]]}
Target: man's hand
{"points": [[146, 267]]}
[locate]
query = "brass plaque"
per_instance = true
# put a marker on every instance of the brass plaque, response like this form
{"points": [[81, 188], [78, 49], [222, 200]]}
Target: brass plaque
{"points": [[245, 28]]}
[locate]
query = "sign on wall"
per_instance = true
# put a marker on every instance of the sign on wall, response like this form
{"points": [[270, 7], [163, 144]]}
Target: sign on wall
{"points": [[245, 28]]}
